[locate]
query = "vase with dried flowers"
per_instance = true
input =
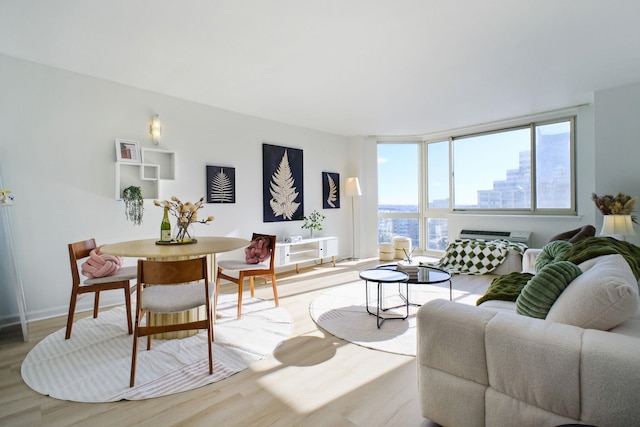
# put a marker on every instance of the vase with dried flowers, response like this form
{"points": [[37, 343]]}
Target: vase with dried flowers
{"points": [[620, 204], [186, 215]]}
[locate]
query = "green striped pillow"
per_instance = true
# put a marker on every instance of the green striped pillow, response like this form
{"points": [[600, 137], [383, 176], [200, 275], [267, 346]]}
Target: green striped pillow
{"points": [[542, 290]]}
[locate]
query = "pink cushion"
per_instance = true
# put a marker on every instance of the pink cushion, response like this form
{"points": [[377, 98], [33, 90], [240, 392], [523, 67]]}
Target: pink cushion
{"points": [[258, 250], [101, 265]]}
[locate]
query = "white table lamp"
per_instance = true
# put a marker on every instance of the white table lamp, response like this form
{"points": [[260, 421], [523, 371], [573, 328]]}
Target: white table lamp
{"points": [[617, 226]]}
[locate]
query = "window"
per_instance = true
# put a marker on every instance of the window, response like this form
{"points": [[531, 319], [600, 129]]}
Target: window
{"points": [[494, 171], [527, 169], [398, 191]]}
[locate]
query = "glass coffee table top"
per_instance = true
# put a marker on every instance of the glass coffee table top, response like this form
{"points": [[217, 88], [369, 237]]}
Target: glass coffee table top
{"points": [[425, 275]]}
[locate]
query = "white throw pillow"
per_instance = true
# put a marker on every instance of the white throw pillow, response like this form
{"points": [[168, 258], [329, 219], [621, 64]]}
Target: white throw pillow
{"points": [[602, 297]]}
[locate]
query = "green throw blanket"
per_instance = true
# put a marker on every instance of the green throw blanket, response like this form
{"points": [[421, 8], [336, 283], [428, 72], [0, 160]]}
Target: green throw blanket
{"points": [[506, 287], [509, 286], [592, 247]]}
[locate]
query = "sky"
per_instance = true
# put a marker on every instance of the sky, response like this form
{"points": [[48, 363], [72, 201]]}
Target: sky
{"points": [[484, 159]]}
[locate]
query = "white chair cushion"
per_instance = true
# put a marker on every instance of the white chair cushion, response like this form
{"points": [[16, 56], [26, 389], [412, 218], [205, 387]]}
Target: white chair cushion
{"points": [[174, 298], [239, 264], [124, 273]]}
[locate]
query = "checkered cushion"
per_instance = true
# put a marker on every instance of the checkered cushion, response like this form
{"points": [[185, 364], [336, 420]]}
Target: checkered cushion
{"points": [[476, 256]]}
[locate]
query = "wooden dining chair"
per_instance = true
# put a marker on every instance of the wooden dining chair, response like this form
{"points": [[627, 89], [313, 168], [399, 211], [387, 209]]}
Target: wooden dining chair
{"points": [[171, 287], [237, 270], [79, 251]]}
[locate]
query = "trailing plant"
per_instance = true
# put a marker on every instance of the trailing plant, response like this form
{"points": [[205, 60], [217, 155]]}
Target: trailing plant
{"points": [[133, 204]]}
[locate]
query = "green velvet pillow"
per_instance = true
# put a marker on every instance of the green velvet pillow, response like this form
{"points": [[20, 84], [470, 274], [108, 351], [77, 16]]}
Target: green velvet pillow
{"points": [[552, 252], [539, 294]]}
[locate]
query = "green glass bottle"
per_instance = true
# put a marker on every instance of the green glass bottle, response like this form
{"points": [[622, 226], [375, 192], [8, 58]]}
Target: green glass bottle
{"points": [[165, 227]]}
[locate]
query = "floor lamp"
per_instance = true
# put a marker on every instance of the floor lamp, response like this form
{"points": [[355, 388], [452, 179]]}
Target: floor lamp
{"points": [[352, 189]]}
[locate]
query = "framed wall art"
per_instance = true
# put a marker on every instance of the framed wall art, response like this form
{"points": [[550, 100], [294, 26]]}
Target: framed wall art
{"points": [[221, 184], [282, 184], [127, 151], [330, 190]]}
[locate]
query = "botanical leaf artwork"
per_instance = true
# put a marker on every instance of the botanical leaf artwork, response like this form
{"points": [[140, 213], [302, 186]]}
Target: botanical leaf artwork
{"points": [[221, 184], [221, 188], [283, 191], [330, 190], [332, 196]]}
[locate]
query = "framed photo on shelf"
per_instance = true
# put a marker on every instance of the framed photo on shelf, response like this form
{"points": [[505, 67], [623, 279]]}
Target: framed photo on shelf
{"points": [[127, 151]]}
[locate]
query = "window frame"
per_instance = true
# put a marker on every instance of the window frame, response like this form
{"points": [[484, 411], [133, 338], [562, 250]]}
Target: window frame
{"points": [[425, 212]]}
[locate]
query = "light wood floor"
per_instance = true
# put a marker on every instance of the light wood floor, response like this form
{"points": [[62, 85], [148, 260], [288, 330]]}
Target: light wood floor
{"points": [[312, 379]]}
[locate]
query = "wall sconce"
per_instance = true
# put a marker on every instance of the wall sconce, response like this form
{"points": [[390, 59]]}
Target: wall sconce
{"points": [[156, 129]]}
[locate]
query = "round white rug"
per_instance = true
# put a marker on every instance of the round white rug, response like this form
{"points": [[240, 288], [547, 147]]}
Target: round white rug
{"points": [[341, 311], [95, 364]]}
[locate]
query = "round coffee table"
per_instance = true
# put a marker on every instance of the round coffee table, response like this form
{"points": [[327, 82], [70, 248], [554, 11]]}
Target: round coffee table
{"points": [[426, 275], [383, 276]]}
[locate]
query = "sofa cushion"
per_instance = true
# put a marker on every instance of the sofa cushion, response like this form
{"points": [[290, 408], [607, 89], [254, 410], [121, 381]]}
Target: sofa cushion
{"points": [[551, 252], [542, 290], [602, 297]]}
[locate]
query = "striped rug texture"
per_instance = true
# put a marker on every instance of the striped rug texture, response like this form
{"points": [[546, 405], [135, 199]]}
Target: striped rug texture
{"points": [[341, 311], [94, 365]]}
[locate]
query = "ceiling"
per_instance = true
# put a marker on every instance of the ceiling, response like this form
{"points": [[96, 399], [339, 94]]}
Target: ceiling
{"points": [[348, 67]]}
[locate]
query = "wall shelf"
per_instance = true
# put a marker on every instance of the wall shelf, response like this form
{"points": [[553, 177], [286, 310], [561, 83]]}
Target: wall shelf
{"points": [[157, 165]]}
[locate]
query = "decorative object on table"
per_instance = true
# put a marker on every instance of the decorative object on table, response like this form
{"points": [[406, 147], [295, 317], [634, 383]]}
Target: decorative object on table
{"points": [[155, 129], [127, 151], [617, 221], [292, 239], [352, 189], [165, 226], [282, 183], [408, 255], [313, 221], [221, 184], [186, 214], [330, 190], [5, 196], [133, 204]]}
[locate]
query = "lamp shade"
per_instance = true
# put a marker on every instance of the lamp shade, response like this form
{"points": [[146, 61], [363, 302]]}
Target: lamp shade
{"points": [[352, 187], [620, 225]]}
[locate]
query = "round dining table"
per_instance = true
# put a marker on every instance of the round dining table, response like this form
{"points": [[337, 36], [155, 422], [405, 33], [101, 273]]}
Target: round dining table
{"points": [[151, 250]]}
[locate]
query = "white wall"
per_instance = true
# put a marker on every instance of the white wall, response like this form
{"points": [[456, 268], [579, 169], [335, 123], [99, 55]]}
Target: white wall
{"points": [[617, 153], [57, 154]]}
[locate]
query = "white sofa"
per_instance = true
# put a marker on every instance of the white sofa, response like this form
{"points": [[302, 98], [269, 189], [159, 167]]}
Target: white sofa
{"points": [[489, 366]]}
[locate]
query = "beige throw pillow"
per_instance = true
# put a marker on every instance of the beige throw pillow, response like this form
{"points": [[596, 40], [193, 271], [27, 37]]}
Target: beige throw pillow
{"points": [[602, 297]]}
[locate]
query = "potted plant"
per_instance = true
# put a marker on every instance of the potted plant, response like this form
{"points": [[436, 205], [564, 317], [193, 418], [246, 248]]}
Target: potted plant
{"points": [[313, 221], [133, 204]]}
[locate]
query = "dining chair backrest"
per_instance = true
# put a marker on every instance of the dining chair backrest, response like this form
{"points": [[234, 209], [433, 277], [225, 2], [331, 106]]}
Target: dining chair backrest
{"points": [[171, 287]]}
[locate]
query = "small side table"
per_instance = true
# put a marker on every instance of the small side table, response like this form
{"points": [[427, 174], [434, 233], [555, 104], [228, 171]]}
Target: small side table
{"points": [[382, 276]]}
